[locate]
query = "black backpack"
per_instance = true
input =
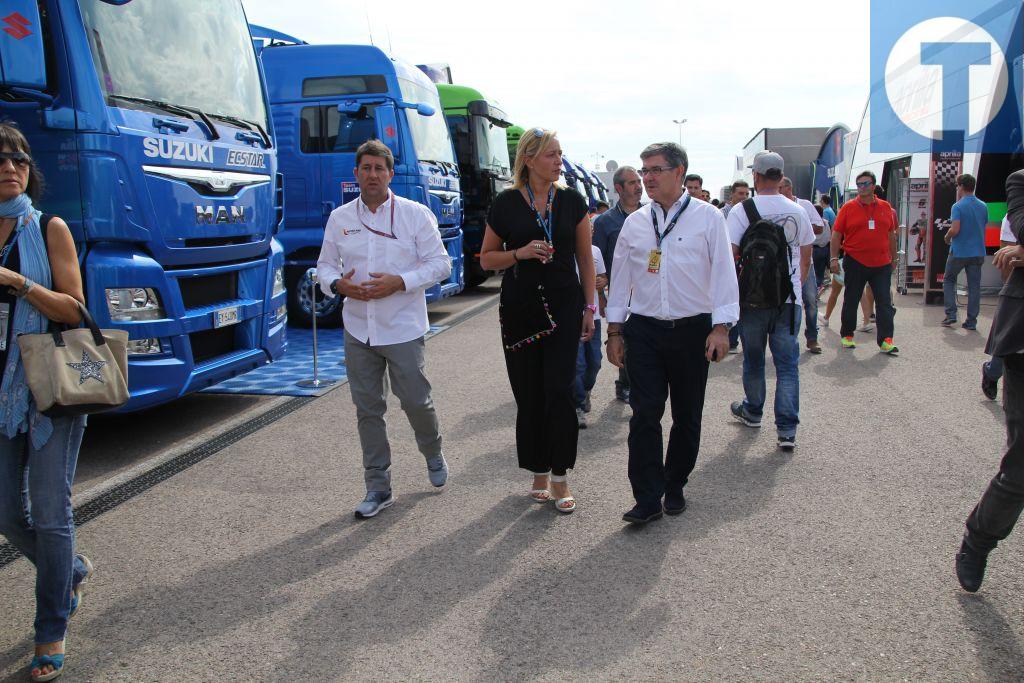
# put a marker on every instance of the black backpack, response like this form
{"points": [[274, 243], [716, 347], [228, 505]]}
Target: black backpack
{"points": [[765, 264]]}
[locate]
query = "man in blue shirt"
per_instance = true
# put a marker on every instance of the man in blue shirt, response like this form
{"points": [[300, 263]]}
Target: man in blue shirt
{"points": [[966, 240], [607, 227]]}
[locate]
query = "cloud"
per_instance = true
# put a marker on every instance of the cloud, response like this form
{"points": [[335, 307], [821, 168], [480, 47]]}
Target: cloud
{"points": [[611, 77]]}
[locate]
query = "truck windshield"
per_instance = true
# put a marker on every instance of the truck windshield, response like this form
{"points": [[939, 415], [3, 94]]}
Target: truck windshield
{"points": [[430, 134], [491, 146], [196, 53]]}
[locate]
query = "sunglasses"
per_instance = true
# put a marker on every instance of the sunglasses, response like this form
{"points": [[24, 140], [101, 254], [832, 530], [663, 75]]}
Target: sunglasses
{"points": [[19, 159], [866, 183]]}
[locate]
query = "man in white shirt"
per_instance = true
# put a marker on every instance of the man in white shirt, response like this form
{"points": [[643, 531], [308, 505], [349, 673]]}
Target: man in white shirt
{"points": [[673, 275], [390, 251], [810, 283], [774, 326]]}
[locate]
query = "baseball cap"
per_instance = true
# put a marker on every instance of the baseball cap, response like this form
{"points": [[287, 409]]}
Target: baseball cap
{"points": [[766, 161]]}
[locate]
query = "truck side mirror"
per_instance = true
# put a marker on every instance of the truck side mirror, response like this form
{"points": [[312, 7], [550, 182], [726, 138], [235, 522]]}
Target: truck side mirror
{"points": [[22, 60], [349, 107], [387, 127], [425, 109]]}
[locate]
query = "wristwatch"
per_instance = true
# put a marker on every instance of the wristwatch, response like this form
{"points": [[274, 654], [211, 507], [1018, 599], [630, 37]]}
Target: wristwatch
{"points": [[24, 289], [728, 326], [334, 288]]}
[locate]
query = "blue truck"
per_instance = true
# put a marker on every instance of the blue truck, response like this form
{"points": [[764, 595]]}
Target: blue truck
{"points": [[149, 121], [326, 100]]}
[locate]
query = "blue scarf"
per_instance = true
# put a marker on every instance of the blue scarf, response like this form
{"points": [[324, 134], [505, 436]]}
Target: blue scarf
{"points": [[18, 412]]}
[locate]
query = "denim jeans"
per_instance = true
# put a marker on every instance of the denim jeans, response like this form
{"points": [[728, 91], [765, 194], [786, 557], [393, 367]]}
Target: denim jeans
{"points": [[953, 267], [36, 517], [810, 296], [588, 363], [780, 331], [820, 258]]}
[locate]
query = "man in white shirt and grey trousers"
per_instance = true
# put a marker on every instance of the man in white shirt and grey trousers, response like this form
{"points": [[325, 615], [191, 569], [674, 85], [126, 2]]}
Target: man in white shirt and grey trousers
{"points": [[673, 274], [381, 252]]}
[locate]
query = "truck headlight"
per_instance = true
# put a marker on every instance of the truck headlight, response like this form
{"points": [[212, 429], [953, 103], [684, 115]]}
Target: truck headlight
{"points": [[134, 304], [282, 311], [278, 281], [144, 347]]}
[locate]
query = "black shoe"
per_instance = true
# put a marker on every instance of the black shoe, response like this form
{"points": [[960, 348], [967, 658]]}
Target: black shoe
{"points": [[787, 443], [970, 568], [622, 394], [970, 326], [989, 387], [948, 322], [675, 504], [639, 515]]}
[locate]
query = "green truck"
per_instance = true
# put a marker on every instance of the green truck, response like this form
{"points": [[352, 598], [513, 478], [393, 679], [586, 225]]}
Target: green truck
{"points": [[513, 133], [477, 127]]}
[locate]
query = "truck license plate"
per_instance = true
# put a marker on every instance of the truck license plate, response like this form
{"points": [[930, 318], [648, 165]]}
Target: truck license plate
{"points": [[225, 317]]}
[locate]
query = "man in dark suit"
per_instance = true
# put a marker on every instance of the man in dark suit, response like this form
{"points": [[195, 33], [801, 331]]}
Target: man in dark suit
{"points": [[995, 514]]}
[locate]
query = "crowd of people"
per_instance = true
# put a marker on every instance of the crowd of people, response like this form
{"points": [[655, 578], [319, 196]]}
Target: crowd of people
{"points": [[679, 283]]}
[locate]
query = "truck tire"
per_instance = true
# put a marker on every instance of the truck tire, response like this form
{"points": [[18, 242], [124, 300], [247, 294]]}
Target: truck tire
{"points": [[300, 303]]}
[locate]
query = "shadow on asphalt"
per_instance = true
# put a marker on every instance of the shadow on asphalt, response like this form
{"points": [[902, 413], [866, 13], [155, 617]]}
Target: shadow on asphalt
{"points": [[217, 599], [999, 648]]}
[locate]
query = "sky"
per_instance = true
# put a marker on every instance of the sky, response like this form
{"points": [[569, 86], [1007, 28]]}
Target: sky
{"points": [[612, 77]]}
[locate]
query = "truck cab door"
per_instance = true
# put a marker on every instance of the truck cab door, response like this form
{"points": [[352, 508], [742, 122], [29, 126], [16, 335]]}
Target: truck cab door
{"points": [[345, 128]]}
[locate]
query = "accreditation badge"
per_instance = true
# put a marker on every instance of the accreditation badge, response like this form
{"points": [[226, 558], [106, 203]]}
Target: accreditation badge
{"points": [[654, 261]]}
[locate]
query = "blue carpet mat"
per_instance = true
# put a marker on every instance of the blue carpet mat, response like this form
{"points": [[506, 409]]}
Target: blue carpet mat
{"points": [[280, 377]]}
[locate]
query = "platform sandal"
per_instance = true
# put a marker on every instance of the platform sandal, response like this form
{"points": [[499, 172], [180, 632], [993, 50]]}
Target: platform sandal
{"points": [[540, 495]]}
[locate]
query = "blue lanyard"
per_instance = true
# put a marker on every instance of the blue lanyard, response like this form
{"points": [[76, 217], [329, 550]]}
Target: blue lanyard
{"points": [[5, 253], [658, 236], [546, 226]]}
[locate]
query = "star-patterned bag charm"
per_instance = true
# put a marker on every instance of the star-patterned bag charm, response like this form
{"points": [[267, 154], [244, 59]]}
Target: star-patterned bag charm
{"points": [[89, 368]]}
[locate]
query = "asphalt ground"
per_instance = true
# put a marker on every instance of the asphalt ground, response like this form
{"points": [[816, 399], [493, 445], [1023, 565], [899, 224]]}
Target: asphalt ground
{"points": [[834, 563]]}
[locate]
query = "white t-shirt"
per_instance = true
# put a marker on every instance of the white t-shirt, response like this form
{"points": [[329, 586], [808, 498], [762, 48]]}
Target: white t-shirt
{"points": [[794, 220], [599, 269], [1006, 234]]}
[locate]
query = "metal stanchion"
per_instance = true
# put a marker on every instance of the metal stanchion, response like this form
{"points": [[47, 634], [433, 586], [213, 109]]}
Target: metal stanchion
{"points": [[316, 382]]}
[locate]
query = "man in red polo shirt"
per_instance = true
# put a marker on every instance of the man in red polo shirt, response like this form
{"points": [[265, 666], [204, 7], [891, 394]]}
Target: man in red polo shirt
{"points": [[865, 230]]}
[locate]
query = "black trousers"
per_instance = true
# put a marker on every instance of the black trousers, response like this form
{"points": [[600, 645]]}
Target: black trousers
{"points": [[857, 275], [664, 362], [995, 514], [542, 376]]}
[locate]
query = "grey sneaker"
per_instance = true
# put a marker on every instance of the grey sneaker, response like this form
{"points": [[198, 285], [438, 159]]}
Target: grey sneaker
{"points": [[437, 470], [374, 502], [581, 418], [740, 413], [787, 443]]}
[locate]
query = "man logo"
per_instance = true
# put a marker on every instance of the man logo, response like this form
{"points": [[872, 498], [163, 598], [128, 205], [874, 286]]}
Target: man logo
{"points": [[940, 80]]}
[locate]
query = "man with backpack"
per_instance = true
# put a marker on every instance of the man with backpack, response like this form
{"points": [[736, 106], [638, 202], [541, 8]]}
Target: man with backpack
{"points": [[772, 237]]}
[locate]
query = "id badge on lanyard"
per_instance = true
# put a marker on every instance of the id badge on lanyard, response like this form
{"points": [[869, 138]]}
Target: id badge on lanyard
{"points": [[654, 261]]}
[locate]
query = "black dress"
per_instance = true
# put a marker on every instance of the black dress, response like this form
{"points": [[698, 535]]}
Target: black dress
{"points": [[542, 373]]}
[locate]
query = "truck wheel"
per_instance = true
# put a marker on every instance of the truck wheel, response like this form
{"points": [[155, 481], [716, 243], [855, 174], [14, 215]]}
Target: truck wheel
{"points": [[300, 303], [474, 274]]}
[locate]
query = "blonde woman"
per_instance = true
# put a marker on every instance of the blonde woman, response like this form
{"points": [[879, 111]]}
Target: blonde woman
{"points": [[538, 232]]}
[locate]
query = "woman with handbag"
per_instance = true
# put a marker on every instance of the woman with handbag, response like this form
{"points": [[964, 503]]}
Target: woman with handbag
{"points": [[539, 233], [40, 282]]}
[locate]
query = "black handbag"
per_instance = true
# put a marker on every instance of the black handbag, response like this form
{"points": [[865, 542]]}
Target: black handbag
{"points": [[526, 320]]}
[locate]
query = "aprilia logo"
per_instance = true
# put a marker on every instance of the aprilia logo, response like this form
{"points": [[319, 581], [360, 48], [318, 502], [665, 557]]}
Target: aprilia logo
{"points": [[17, 26]]}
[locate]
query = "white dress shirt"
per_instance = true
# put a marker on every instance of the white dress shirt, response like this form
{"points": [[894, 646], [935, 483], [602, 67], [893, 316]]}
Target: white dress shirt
{"points": [[697, 274], [417, 255]]}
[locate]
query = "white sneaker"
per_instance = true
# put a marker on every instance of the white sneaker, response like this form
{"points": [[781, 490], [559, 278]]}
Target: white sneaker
{"points": [[581, 418], [866, 327], [823, 322]]}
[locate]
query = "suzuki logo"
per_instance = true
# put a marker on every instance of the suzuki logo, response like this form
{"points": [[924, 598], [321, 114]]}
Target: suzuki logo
{"points": [[208, 215], [17, 26]]}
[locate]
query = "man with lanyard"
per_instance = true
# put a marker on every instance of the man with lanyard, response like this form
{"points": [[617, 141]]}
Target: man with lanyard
{"points": [[389, 250], [865, 230], [678, 288], [606, 232]]}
